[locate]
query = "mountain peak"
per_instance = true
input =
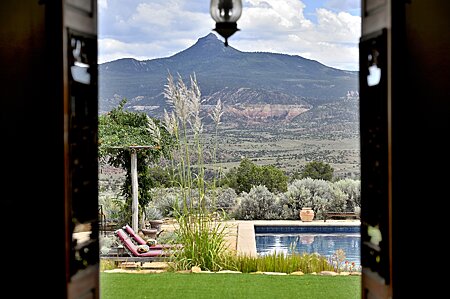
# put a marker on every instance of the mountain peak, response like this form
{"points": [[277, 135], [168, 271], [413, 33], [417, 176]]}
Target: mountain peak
{"points": [[210, 40], [209, 45], [209, 37]]}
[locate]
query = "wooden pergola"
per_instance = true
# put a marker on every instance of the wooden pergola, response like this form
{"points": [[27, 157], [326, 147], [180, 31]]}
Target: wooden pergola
{"points": [[134, 182]]}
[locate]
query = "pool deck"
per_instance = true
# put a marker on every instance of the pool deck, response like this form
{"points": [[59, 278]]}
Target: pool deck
{"points": [[245, 230], [240, 234]]}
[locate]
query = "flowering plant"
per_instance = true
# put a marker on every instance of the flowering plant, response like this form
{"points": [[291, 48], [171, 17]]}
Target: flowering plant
{"points": [[337, 260], [351, 267]]}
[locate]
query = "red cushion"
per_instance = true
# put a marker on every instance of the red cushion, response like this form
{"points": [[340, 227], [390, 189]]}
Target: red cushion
{"points": [[133, 234], [128, 243], [141, 241]]}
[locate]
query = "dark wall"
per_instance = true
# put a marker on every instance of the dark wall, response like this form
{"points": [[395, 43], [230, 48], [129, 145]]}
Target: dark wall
{"points": [[421, 133], [31, 124]]}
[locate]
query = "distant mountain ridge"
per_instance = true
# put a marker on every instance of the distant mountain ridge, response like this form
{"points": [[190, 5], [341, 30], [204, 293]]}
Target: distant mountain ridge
{"points": [[279, 86]]}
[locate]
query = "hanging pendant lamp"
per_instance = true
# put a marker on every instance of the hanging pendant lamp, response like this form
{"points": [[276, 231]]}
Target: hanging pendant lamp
{"points": [[226, 13]]}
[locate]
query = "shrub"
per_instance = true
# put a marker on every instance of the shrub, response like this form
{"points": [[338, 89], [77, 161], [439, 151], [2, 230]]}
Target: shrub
{"points": [[166, 200], [308, 192], [153, 213], [203, 243], [338, 200], [223, 199], [352, 191], [287, 210], [259, 203], [105, 243], [116, 209]]}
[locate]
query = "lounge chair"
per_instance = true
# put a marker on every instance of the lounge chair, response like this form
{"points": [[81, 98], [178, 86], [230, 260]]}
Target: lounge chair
{"points": [[138, 239], [133, 249]]}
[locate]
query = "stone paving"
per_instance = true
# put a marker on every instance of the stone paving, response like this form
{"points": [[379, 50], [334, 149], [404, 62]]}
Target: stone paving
{"points": [[240, 236]]}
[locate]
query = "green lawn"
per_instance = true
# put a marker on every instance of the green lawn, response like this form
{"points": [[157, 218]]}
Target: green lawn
{"points": [[216, 286]]}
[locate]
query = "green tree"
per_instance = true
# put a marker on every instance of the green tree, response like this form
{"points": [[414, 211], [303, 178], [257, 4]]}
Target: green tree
{"points": [[248, 174], [229, 179], [118, 130], [274, 178], [318, 170], [161, 178]]}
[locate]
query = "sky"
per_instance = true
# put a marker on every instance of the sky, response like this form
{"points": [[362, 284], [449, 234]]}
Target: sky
{"points": [[324, 30]]}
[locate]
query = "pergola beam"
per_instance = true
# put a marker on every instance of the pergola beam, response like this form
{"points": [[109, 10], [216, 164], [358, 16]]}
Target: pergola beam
{"points": [[134, 191], [134, 183]]}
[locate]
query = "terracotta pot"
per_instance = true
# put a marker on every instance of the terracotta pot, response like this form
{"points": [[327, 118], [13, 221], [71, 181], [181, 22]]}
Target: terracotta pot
{"points": [[156, 224], [150, 232], [306, 214]]}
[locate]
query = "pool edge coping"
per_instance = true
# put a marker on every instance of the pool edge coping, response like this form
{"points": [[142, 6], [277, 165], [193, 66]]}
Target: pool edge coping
{"points": [[246, 239]]}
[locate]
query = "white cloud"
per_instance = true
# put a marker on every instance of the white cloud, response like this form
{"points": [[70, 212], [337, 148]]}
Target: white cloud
{"points": [[150, 29], [160, 28], [169, 17], [113, 49], [102, 4], [341, 27], [335, 55], [273, 16], [280, 26]]}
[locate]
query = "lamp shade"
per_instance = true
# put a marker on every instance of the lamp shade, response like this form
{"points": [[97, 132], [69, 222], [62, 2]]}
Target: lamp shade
{"points": [[225, 10], [226, 13]]}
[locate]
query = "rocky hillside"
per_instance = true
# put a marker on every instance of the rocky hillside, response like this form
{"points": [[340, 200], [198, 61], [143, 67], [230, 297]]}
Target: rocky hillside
{"points": [[254, 86]]}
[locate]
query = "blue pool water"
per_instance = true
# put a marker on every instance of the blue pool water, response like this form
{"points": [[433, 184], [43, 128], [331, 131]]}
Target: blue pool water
{"points": [[313, 241]]}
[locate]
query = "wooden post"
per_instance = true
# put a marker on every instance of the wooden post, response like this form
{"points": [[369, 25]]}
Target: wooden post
{"points": [[134, 191]]}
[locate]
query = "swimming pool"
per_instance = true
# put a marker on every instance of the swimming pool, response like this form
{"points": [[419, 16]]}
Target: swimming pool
{"points": [[324, 240]]}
